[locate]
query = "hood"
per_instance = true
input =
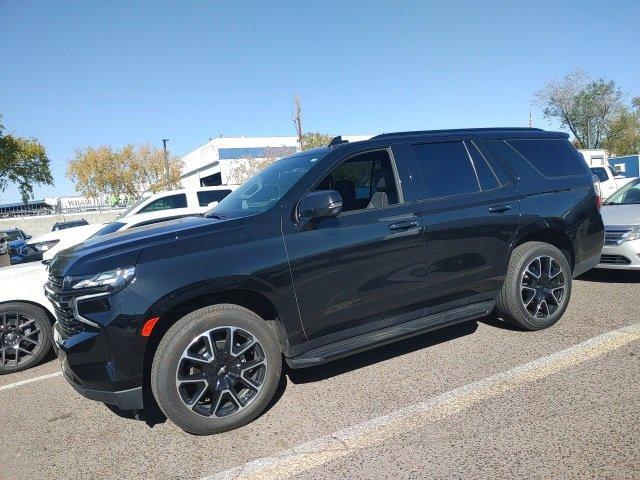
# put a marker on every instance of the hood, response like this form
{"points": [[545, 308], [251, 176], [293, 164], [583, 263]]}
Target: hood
{"points": [[81, 233], [17, 243], [620, 215], [122, 249], [15, 272]]}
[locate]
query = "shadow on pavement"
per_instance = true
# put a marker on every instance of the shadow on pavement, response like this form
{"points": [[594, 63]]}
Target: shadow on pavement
{"points": [[610, 276], [379, 354]]}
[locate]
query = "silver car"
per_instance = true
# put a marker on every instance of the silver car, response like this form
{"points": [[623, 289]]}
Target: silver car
{"points": [[4, 243], [621, 216]]}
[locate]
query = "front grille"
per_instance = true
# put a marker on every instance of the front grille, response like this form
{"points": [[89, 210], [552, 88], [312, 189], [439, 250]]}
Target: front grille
{"points": [[67, 325], [615, 235], [615, 259]]}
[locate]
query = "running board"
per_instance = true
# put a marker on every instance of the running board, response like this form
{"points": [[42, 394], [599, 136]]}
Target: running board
{"points": [[348, 346]]}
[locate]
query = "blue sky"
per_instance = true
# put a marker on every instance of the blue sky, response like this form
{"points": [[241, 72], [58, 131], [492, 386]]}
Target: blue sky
{"points": [[88, 73]]}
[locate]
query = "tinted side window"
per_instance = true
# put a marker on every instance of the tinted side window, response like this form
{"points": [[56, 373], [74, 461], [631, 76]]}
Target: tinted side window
{"points": [[494, 163], [488, 179], [363, 181], [166, 203], [446, 169], [208, 196], [552, 158]]}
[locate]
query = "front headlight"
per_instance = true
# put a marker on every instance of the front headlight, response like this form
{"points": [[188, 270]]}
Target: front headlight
{"points": [[112, 281], [632, 235], [44, 246]]}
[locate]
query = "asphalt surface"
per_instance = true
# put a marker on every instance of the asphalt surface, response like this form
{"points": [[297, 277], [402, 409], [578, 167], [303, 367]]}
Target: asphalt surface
{"points": [[575, 415]]}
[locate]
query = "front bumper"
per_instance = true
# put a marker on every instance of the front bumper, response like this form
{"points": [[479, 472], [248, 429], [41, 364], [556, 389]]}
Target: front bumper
{"points": [[625, 256], [100, 347]]}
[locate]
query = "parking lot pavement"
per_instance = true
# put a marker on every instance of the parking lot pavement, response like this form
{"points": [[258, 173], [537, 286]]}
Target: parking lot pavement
{"points": [[578, 416]]}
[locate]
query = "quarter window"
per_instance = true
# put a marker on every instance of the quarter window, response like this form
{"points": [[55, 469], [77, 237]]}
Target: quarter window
{"points": [[209, 196], [166, 203], [446, 169], [552, 158]]}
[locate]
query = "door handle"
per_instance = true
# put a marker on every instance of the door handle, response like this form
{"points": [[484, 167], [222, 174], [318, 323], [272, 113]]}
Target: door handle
{"points": [[403, 225], [499, 208]]}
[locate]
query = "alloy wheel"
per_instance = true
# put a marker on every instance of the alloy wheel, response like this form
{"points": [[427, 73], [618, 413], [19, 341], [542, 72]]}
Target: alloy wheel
{"points": [[20, 339], [221, 372], [542, 286]]}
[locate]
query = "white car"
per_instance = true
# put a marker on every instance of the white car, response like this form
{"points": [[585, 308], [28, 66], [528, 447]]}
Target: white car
{"points": [[27, 317], [196, 200], [621, 217], [610, 180], [157, 207]]}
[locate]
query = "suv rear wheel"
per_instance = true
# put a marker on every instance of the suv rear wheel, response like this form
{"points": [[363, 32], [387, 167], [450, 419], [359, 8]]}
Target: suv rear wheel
{"points": [[537, 286], [216, 369]]}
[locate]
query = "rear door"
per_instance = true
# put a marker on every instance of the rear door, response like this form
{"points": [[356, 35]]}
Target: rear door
{"points": [[365, 268], [471, 214]]}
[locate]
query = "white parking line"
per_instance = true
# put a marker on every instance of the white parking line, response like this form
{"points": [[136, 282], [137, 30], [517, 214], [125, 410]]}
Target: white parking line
{"points": [[317, 452], [30, 380]]}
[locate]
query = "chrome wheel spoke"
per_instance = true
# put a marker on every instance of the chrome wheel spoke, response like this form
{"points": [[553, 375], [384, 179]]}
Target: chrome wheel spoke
{"points": [[542, 286]]}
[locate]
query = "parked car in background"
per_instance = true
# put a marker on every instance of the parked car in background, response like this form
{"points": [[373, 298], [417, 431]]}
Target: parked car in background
{"points": [[70, 224], [197, 200], [26, 317], [4, 243], [320, 255], [610, 180], [621, 216], [18, 248]]}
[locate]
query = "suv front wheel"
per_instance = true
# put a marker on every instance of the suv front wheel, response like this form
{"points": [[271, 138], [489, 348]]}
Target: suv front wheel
{"points": [[537, 286], [216, 369]]}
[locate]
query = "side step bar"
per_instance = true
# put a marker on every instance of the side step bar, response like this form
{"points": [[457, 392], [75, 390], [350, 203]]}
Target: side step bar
{"points": [[348, 346]]}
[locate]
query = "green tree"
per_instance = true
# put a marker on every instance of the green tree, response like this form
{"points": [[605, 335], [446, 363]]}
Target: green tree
{"points": [[23, 161], [131, 170], [314, 140], [585, 106], [623, 137]]}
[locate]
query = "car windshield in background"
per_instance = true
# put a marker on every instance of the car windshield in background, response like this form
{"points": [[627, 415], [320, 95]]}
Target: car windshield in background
{"points": [[108, 228], [601, 173], [266, 188], [627, 195], [13, 235]]}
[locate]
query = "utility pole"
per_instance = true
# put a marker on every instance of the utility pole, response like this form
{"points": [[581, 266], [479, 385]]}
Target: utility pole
{"points": [[167, 172], [297, 118]]}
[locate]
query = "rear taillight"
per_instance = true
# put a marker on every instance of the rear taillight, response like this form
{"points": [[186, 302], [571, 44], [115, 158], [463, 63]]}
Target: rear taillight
{"points": [[596, 187]]}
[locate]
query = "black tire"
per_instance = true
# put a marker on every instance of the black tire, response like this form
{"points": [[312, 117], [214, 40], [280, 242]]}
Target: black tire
{"points": [[37, 328], [181, 337], [519, 284]]}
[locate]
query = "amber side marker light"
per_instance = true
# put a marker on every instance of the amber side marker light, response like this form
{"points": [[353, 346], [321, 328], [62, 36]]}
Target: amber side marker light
{"points": [[148, 326]]}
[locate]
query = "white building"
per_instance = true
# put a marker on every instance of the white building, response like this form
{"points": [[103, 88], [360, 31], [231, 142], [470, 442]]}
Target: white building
{"points": [[595, 158], [210, 164]]}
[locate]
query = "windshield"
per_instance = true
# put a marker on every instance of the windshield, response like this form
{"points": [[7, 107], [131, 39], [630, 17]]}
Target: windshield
{"points": [[601, 173], [627, 195], [13, 235], [108, 228], [265, 188]]}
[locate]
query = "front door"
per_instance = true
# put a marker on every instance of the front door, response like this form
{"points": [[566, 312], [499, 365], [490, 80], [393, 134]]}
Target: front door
{"points": [[363, 269]]}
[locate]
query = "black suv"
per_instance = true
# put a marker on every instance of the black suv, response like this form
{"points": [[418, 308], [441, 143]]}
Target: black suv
{"points": [[323, 254]]}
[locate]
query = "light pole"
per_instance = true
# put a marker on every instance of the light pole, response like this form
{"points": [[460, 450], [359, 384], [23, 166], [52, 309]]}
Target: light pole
{"points": [[166, 163]]}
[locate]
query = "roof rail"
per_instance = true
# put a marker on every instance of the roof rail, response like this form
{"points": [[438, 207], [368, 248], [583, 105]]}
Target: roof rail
{"points": [[458, 130], [337, 141]]}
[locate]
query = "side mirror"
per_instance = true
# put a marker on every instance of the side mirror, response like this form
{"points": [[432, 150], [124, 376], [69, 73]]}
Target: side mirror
{"points": [[320, 204], [27, 237]]}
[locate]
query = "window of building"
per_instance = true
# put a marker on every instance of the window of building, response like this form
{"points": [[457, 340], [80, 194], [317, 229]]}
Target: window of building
{"points": [[209, 196], [446, 169], [166, 203], [364, 181]]}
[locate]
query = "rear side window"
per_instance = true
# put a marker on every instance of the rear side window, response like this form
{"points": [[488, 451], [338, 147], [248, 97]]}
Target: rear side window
{"points": [[166, 203], [208, 196], [552, 158], [446, 169]]}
